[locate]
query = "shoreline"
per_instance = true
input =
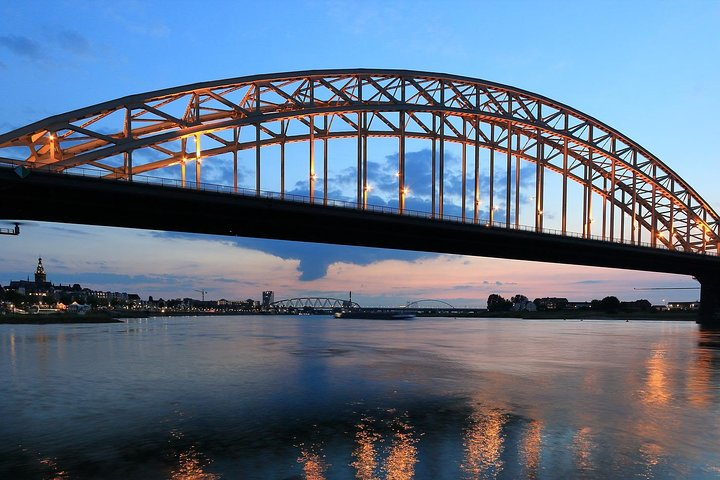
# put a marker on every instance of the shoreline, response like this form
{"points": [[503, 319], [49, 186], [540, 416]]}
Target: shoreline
{"points": [[582, 315], [51, 319], [120, 316]]}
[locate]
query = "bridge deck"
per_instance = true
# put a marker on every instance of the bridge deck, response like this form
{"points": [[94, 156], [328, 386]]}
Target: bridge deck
{"points": [[94, 201]]}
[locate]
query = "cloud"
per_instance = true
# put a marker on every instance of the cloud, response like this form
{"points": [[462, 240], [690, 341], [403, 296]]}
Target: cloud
{"points": [[22, 46], [71, 231], [73, 42], [137, 19], [315, 259]]}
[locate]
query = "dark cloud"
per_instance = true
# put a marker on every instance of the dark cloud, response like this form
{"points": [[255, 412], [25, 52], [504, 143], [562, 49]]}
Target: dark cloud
{"points": [[314, 258], [22, 46], [73, 42], [72, 231], [590, 282]]}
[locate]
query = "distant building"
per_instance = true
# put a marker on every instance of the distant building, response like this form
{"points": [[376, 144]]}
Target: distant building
{"points": [[41, 287], [578, 305], [550, 303], [688, 306], [523, 305], [40, 276], [268, 297]]}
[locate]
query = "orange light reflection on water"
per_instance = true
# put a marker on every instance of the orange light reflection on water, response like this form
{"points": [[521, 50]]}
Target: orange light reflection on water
{"points": [[365, 453], [55, 472], [313, 463], [531, 447], [583, 446], [402, 457], [483, 445], [699, 379], [191, 466], [656, 385]]}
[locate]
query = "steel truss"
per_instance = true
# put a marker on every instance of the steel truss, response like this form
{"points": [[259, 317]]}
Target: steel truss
{"points": [[189, 125], [318, 303]]}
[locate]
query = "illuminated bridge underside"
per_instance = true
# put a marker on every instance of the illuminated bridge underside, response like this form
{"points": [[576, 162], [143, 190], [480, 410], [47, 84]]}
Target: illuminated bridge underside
{"points": [[628, 195]]}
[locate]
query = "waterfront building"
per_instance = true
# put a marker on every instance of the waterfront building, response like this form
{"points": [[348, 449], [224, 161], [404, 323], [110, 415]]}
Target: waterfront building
{"points": [[688, 306], [40, 287], [40, 276], [551, 303], [268, 297]]}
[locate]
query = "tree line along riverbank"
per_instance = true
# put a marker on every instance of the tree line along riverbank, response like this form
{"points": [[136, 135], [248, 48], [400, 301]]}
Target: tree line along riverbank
{"points": [[119, 317]]}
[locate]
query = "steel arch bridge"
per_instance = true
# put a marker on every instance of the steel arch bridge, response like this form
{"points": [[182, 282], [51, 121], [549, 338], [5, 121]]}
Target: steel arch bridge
{"points": [[437, 303], [617, 204], [316, 303], [641, 199]]}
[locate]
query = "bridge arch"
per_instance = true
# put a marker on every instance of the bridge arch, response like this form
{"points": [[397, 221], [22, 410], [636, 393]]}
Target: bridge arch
{"points": [[438, 303], [169, 131]]}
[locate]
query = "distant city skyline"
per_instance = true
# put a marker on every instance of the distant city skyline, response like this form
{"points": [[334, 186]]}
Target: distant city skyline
{"points": [[644, 68]]}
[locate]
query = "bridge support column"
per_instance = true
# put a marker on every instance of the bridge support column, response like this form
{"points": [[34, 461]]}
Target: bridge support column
{"points": [[709, 301]]}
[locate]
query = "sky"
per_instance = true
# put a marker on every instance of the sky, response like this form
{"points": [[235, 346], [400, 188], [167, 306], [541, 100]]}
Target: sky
{"points": [[647, 68]]}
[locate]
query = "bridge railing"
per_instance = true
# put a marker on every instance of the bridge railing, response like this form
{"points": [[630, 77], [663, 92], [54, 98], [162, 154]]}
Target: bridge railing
{"points": [[294, 197]]}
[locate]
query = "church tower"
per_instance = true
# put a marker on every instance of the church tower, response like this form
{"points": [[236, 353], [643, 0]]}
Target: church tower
{"points": [[40, 276]]}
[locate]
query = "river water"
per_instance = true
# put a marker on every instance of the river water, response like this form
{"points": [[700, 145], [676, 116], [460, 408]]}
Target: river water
{"points": [[312, 397]]}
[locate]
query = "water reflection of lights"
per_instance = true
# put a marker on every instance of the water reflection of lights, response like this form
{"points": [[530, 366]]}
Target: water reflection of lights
{"points": [[191, 463], [531, 447], [652, 455], [365, 453], [12, 348], [699, 379], [583, 447], [484, 444], [55, 473], [402, 457], [191, 466], [313, 463], [657, 388]]}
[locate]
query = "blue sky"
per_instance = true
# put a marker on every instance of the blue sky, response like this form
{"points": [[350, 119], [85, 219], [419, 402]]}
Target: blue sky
{"points": [[648, 69]]}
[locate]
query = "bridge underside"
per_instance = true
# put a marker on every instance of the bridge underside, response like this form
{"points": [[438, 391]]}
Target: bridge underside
{"points": [[83, 200]]}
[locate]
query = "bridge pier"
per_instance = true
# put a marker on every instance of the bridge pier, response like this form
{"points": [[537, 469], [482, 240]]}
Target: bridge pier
{"points": [[709, 301]]}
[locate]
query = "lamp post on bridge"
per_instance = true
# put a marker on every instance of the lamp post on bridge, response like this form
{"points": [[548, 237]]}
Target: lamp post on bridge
{"points": [[403, 193]]}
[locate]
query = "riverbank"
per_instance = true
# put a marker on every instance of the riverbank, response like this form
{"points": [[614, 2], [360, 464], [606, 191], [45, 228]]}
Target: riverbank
{"points": [[118, 316], [96, 317], [112, 316], [589, 315]]}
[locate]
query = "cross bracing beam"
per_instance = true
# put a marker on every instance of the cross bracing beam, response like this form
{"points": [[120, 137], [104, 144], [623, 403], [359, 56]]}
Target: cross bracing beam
{"points": [[578, 147]]}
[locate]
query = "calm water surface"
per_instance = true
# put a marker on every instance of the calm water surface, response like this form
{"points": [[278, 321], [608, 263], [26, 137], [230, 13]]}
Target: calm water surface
{"points": [[261, 397]]}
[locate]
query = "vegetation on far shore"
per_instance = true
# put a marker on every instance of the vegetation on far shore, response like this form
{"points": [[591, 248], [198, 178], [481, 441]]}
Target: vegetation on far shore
{"points": [[118, 316]]}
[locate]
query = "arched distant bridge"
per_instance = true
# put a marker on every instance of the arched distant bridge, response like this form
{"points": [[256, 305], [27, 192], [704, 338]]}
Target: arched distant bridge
{"points": [[429, 303], [387, 158], [314, 303]]}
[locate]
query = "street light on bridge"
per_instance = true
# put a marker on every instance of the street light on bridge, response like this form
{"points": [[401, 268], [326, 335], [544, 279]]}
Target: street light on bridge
{"points": [[368, 188], [405, 192]]}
